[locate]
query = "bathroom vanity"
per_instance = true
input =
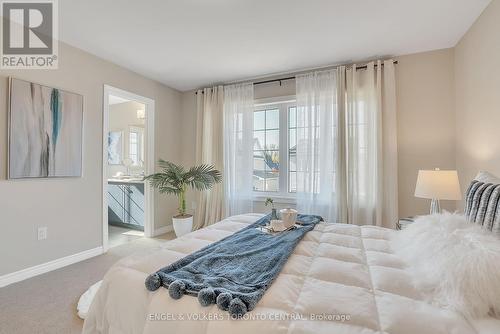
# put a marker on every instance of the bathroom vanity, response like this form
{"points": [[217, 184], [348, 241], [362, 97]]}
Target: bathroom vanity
{"points": [[126, 203]]}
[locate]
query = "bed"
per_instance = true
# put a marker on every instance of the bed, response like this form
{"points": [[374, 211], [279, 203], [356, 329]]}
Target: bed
{"points": [[339, 279]]}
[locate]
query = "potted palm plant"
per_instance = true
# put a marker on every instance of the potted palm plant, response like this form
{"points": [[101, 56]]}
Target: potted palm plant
{"points": [[175, 180]]}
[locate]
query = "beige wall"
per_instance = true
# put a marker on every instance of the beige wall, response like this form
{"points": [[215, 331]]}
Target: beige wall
{"points": [[71, 207], [477, 96], [188, 142], [188, 126], [426, 125]]}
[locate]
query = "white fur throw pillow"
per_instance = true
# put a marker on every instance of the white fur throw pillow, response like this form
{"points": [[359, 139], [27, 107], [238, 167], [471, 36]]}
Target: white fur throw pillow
{"points": [[456, 264]]}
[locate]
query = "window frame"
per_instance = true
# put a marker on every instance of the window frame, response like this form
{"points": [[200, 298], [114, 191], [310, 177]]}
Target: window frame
{"points": [[139, 145], [283, 103]]}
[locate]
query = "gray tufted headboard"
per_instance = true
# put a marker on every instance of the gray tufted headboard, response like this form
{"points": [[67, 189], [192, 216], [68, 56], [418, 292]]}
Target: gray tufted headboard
{"points": [[482, 205]]}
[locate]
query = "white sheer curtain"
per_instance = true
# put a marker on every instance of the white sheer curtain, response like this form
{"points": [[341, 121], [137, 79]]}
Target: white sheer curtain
{"points": [[209, 150], [346, 145], [238, 148], [319, 144], [372, 145]]}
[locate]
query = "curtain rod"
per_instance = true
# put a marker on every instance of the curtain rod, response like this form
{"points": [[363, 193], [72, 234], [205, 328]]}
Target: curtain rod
{"points": [[363, 67]]}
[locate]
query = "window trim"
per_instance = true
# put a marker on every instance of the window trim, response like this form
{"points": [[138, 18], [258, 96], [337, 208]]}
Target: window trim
{"points": [[140, 146], [283, 195]]}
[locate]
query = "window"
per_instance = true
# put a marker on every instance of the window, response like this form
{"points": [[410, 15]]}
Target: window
{"points": [[274, 150], [135, 150]]}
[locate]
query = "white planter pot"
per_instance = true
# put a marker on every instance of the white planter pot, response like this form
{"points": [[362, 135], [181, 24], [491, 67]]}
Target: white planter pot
{"points": [[182, 225]]}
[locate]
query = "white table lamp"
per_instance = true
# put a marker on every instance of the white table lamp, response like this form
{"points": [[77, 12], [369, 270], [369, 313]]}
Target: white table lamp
{"points": [[438, 185]]}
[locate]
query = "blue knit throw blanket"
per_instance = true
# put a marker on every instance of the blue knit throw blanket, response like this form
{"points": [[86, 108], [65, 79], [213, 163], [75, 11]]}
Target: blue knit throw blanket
{"points": [[233, 272]]}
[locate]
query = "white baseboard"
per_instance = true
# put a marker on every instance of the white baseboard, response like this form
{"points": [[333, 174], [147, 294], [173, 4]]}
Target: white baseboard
{"points": [[43, 268], [163, 230]]}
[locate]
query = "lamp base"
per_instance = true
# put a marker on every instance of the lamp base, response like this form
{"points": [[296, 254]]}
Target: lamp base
{"points": [[435, 206]]}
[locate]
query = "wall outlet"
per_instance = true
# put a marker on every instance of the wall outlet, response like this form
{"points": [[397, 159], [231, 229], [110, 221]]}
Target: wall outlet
{"points": [[42, 233]]}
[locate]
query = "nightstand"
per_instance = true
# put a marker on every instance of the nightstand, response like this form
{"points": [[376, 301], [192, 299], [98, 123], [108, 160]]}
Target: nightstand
{"points": [[404, 222]]}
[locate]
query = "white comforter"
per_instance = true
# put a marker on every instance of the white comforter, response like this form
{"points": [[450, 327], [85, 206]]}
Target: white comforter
{"points": [[340, 279]]}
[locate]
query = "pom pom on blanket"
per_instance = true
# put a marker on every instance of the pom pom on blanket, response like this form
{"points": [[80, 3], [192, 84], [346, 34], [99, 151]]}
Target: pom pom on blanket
{"points": [[153, 282], [223, 300], [227, 265], [206, 296], [237, 308], [176, 289]]}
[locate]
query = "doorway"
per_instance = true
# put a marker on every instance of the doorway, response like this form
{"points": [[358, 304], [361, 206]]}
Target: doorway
{"points": [[128, 155]]}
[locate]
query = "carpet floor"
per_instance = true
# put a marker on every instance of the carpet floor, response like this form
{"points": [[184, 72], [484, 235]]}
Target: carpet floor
{"points": [[46, 304]]}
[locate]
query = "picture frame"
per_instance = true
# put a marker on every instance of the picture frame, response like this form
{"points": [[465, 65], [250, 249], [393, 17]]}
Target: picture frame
{"points": [[115, 147], [45, 131]]}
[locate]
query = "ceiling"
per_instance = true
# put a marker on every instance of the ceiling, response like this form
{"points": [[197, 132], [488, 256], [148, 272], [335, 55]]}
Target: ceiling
{"points": [[188, 44]]}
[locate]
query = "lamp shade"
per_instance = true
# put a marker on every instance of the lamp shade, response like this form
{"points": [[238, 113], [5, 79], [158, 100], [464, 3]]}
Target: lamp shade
{"points": [[438, 184]]}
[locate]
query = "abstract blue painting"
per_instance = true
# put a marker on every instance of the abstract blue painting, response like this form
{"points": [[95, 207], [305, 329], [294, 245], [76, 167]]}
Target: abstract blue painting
{"points": [[45, 131], [115, 147]]}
